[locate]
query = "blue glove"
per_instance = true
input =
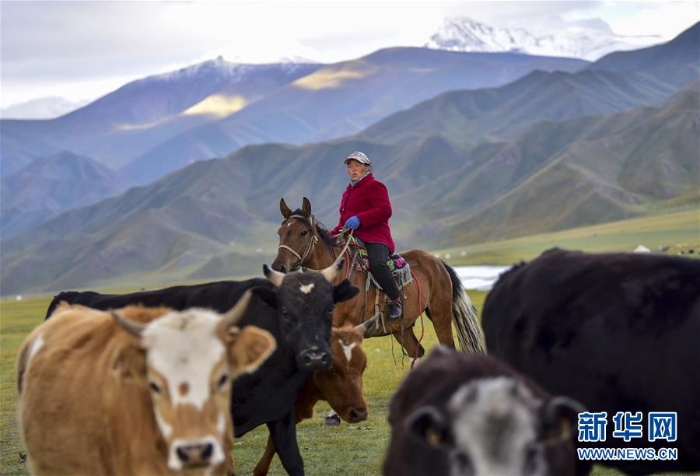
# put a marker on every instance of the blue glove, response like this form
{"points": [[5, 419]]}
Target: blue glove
{"points": [[353, 222]]}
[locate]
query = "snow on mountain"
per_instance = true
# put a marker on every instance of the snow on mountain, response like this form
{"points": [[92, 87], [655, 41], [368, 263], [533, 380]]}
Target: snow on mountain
{"points": [[229, 71], [589, 41]]}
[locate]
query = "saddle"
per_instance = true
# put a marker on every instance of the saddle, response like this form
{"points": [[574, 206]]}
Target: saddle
{"points": [[397, 264]]}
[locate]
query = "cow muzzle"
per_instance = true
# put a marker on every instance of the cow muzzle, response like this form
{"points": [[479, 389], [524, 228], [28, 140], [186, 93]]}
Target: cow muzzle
{"points": [[358, 415], [315, 358], [193, 453]]}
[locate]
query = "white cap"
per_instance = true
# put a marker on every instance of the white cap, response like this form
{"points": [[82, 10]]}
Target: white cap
{"points": [[359, 156]]}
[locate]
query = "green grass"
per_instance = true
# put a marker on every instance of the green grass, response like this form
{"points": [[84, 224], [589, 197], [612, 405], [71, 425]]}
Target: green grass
{"points": [[680, 231], [17, 319]]}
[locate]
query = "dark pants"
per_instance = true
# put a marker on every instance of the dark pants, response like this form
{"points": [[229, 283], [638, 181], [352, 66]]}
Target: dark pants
{"points": [[378, 256]]}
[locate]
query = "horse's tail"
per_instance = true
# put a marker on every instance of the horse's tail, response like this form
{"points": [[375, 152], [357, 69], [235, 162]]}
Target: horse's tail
{"points": [[464, 316]]}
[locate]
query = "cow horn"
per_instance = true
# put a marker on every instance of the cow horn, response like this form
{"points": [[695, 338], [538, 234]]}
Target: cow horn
{"points": [[331, 272], [275, 277], [366, 326], [234, 315], [135, 328]]}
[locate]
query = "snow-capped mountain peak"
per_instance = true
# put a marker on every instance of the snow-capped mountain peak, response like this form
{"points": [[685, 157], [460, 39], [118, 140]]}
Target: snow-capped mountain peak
{"points": [[585, 40]]}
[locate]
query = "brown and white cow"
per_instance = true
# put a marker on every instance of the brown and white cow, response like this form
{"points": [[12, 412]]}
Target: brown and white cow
{"points": [[340, 385], [135, 391]]}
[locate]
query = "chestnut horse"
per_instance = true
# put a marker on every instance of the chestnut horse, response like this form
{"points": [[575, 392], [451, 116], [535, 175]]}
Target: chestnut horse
{"points": [[435, 287]]}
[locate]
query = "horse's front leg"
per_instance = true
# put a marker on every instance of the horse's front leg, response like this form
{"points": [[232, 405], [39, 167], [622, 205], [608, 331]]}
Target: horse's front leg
{"points": [[407, 339]]}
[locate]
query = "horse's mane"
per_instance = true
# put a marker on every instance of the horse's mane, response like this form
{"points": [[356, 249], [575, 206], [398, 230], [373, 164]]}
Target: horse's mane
{"points": [[321, 229]]}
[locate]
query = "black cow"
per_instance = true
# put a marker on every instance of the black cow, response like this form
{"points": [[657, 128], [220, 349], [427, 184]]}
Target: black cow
{"points": [[296, 308], [618, 332], [466, 414]]}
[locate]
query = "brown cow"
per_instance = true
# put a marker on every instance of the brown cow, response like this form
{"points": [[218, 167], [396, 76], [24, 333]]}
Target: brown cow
{"points": [[136, 391], [341, 385]]}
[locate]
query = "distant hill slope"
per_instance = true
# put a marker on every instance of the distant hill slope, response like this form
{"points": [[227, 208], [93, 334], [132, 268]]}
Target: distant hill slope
{"points": [[51, 185], [586, 171], [342, 99], [682, 50], [136, 117], [489, 114]]}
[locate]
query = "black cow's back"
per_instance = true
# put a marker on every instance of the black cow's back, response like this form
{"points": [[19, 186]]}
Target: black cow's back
{"points": [[617, 332], [219, 296]]}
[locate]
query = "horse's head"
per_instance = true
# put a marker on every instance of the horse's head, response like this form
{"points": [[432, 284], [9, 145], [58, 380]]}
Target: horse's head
{"points": [[298, 235]]}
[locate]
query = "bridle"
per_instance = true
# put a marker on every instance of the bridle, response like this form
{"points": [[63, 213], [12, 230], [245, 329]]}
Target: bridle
{"points": [[310, 246], [313, 239]]}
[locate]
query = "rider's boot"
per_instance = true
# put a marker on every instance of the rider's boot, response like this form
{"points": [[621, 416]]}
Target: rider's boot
{"points": [[395, 309]]}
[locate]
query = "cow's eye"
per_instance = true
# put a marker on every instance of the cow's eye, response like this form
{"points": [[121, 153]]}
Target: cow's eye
{"points": [[222, 381], [304, 233], [155, 388]]}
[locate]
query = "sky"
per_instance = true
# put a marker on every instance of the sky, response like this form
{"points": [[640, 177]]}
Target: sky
{"points": [[81, 50]]}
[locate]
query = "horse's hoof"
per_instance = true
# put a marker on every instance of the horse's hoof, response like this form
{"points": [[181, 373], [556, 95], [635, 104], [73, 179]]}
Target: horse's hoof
{"points": [[332, 420]]}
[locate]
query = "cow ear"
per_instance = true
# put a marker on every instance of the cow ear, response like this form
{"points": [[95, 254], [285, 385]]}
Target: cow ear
{"points": [[129, 365], [559, 416], [249, 348], [268, 296], [428, 426], [344, 291]]}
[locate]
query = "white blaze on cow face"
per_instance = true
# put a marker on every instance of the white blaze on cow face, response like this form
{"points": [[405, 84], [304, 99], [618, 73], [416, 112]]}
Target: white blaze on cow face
{"points": [[495, 428], [306, 288], [184, 352], [188, 375], [347, 350]]}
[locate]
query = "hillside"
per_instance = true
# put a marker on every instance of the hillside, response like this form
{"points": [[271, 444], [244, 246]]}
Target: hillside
{"points": [[51, 185], [593, 171], [483, 115]]}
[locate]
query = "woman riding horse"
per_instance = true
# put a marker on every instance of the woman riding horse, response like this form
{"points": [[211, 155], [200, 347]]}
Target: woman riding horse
{"points": [[365, 208], [435, 287]]}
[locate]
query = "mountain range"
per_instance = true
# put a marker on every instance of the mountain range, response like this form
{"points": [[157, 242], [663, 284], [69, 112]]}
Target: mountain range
{"points": [[547, 151], [154, 126], [584, 39]]}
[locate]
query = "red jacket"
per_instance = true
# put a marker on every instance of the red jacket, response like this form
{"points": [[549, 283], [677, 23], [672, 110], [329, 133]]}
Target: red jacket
{"points": [[369, 200]]}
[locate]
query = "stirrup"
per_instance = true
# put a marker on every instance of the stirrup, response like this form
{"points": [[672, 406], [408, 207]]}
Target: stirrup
{"points": [[395, 310]]}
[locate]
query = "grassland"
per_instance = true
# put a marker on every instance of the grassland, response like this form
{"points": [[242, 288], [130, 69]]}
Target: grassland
{"points": [[678, 231]]}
